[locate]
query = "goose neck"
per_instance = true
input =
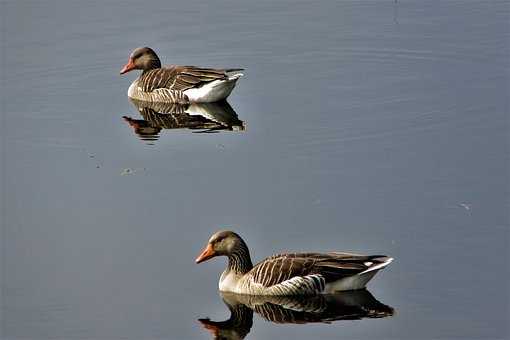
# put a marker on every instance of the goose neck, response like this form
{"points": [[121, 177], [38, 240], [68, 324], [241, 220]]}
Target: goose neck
{"points": [[239, 261]]}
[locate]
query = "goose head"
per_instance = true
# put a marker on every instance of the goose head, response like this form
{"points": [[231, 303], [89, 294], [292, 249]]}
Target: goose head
{"points": [[142, 58], [222, 243]]}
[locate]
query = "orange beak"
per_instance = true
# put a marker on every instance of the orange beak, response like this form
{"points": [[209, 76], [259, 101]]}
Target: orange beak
{"points": [[128, 67], [207, 253]]}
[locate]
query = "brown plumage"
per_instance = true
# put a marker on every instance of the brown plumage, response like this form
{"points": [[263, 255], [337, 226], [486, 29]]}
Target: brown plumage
{"points": [[292, 273], [332, 266], [179, 78], [173, 83]]}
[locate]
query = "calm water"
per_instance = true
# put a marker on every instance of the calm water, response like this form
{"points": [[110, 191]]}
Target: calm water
{"points": [[372, 126]]}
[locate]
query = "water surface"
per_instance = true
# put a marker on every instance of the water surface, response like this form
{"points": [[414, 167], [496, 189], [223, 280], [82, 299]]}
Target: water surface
{"points": [[370, 126]]}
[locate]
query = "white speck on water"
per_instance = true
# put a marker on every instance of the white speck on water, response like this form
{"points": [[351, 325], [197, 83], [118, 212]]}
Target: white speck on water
{"points": [[465, 206]]}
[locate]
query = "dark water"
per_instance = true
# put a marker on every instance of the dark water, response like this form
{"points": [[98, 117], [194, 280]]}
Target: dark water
{"points": [[370, 126]]}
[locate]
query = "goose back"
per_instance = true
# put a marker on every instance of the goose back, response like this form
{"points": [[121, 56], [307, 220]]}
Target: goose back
{"points": [[308, 273], [179, 78]]}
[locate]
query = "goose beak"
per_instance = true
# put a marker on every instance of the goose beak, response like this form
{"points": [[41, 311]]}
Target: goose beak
{"points": [[128, 67], [207, 253]]}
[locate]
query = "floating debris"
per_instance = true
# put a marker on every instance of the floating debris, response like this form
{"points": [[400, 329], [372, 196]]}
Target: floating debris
{"points": [[130, 171], [465, 206], [127, 171]]}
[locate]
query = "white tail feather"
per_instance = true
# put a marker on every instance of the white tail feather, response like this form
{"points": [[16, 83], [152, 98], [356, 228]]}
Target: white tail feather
{"points": [[378, 266]]}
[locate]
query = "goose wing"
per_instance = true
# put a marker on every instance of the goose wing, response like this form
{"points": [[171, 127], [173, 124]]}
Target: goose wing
{"points": [[331, 266], [179, 78], [160, 78], [188, 77]]}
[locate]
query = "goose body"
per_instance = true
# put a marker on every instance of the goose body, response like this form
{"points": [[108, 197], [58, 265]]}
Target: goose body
{"points": [[177, 84], [291, 273]]}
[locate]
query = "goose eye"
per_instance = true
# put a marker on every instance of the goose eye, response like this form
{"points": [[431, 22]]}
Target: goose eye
{"points": [[218, 240], [137, 55]]}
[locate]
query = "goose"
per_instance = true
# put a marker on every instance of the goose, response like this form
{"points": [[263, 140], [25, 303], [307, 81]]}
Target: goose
{"points": [[177, 84], [289, 273]]}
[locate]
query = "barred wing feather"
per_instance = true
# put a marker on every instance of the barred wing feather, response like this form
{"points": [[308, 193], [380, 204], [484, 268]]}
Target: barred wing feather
{"points": [[331, 266]]}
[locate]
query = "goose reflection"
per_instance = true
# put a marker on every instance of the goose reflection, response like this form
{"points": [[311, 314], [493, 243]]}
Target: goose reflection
{"points": [[200, 117], [351, 305]]}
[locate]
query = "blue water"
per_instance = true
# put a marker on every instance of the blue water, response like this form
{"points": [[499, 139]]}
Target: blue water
{"points": [[369, 126]]}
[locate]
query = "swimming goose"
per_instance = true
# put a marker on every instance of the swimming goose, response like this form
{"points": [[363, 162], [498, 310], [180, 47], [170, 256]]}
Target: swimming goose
{"points": [[177, 84], [292, 273]]}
